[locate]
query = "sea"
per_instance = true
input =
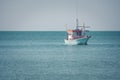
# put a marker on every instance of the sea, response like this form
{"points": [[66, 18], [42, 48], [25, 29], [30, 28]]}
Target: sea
{"points": [[42, 55]]}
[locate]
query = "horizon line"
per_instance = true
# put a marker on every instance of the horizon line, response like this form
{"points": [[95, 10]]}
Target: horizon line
{"points": [[54, 30]]}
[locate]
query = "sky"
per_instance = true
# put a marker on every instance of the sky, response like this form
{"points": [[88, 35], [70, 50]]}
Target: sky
{"points": [[59, 15]]}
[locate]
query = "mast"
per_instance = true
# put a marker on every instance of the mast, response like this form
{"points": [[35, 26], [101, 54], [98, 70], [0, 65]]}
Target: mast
{"points": [[83, 28], [77, 23]]}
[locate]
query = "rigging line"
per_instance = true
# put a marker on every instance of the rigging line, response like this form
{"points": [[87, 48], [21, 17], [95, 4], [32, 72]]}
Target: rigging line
{"points": [[77, 23], [77, 9]]}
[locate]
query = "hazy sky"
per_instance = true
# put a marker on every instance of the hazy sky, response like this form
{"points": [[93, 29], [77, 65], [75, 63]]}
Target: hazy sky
{"points": [[54, 14]]}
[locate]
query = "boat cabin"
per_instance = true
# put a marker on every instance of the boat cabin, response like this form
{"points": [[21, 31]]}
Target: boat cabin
{"points": [[74, 34]]}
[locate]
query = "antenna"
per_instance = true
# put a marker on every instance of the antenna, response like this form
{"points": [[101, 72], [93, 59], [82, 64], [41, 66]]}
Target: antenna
{"points": [[66, 26]]}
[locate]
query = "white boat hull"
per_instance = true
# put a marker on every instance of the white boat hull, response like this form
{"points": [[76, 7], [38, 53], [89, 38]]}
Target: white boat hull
{"points": [[79, 41]]}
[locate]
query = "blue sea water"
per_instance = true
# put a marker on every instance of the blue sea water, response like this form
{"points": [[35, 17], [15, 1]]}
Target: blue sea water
{"points": [[30, 55]]}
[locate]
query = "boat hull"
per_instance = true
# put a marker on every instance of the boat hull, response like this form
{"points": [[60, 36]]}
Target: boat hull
{"points": [[79, 41]]}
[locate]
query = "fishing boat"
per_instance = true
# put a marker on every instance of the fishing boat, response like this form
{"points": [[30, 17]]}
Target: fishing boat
{"points": [[77, 36]]}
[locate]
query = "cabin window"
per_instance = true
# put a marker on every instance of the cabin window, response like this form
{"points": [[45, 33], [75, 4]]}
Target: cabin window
{"points": [[78, 33]]}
